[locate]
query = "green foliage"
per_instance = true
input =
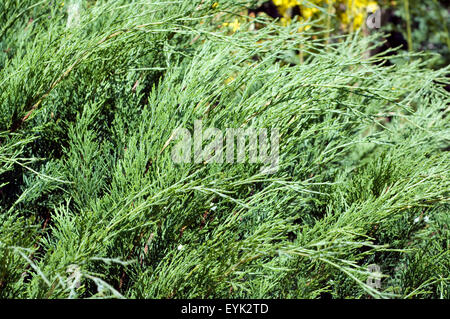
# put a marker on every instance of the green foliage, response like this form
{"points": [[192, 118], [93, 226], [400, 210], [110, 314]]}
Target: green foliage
{"points": [[430, 23], [92, 204]]}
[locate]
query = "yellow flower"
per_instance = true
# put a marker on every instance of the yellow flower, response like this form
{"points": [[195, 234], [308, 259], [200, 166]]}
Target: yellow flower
{"points": [[307, 13], [372, 6], [284, 5], [305, 28], [235, 25], [358, 20], [352, 13], [229, 80], [285, 21]]}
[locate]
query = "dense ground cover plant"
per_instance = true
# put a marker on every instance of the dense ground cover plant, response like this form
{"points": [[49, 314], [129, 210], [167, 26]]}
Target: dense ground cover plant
{"points": [[93, 205]]}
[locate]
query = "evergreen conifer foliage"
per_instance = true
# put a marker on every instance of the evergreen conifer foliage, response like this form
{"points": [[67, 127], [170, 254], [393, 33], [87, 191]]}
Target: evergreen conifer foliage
{"points": [[93, 205]]}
